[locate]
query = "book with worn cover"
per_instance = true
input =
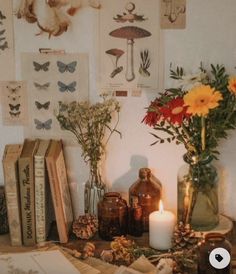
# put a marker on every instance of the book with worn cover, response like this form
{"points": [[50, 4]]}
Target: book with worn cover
{"points": [[11, 182], [43, 201], [26, 179], [60, 189]]}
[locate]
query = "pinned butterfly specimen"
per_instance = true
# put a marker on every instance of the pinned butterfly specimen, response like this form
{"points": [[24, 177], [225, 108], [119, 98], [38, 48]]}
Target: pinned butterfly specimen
{"points": [[43, 125], [14, 107], [4, 46], [70, 87], [44, 66], [42, 86], [66, 67], [13, 90], [14, 114], [44, 105]]}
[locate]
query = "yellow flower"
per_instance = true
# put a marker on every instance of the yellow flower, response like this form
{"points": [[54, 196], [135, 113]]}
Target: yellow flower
{"points": [[232, 84], [201, 99]]}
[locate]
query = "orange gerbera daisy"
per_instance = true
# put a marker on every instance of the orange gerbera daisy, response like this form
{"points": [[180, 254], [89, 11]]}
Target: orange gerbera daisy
{"points": [[201, 99], [175, 111], [232, 85]]}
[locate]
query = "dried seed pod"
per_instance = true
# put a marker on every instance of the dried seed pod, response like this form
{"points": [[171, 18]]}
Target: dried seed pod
{"points": [[107, 256], [85, 226], [88, 250]]}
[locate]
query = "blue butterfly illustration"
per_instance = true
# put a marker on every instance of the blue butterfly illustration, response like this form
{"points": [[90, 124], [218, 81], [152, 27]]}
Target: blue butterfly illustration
{"points": [[42, 86], [38, 67], [62, 67], [42, 105], [43, 125], [63, 87]]}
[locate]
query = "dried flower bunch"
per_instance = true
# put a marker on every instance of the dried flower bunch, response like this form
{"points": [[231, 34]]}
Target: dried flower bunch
{"points": [[198, 112], [90, 123]]}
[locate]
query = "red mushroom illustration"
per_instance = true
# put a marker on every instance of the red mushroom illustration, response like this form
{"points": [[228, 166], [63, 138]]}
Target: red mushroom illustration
{"points": [[130, 33], [115, 55]]}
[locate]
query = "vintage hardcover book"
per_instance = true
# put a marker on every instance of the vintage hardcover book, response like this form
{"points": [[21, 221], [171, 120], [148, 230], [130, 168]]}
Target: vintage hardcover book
{"points": [[43, 202], [11, 181], [26, 179], [60, 189]]}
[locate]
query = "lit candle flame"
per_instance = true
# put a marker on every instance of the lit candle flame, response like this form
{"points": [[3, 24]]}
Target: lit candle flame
{"points": [[161, 207]]}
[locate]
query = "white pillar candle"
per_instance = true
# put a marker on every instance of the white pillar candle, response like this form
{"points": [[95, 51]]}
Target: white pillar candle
{"points": [[161, 227]]}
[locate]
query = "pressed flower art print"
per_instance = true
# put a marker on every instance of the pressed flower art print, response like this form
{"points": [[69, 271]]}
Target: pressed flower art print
{"points": [[198, 113]]}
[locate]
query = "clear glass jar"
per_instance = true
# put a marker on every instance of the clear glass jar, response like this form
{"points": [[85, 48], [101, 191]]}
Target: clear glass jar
{"points": [[94, 189], [148, 190], [212, 241], [112, 216], [198, 193]]}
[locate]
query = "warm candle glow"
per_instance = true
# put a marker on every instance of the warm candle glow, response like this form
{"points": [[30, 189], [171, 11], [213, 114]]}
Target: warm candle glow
{"points": [[161, 207]]}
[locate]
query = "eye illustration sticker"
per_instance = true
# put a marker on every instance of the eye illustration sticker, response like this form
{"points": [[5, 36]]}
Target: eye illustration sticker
{"points": [[43, 67], [42, 105], [43, 125], [66, 67], [42, 86], [70, 87]]}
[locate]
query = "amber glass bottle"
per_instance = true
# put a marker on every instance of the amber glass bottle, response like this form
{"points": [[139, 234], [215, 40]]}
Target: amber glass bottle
{"points": [[148, 190], [135, 223], [212, 241], [112, 216]]}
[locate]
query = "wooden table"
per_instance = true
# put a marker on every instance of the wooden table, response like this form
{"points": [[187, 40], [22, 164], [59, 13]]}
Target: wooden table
{"points": [[101, 245]]}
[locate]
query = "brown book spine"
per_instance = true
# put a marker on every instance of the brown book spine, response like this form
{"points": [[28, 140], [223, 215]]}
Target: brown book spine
{"points": [[57, 202], [11, 181]]}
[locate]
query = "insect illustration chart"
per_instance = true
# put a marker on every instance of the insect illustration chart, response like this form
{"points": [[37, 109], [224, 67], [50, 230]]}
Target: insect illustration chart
{"points": [[6, 41], [129, 45], [14, 102], [52, 78]]}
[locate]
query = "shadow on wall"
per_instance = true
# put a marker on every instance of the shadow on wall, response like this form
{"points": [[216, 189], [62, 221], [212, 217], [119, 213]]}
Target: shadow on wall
{"points": [[123, 183]]}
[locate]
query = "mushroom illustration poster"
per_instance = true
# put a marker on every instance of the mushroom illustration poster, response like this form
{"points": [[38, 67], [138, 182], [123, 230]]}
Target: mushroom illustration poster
{"points": [[6, 41], [129, 45], [173, 14], [52, 78], [14, 102]]}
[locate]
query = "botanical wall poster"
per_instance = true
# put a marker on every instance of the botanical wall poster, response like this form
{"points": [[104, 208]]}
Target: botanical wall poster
{"points": [[6, 41], [129, 45], [173, 14], [14, 102], [52, 78]]}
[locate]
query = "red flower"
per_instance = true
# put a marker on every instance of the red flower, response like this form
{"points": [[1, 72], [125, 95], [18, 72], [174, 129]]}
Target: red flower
{"points": [[153, 114], [175, 111]]}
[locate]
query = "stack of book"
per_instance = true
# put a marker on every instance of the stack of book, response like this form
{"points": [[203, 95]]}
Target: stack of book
{"points": [[36, 189]]}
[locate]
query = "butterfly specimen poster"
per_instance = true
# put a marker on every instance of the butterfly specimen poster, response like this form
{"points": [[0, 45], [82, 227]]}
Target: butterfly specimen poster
{"points": [[14, 102], [129, 45], [6, 41], [52, 78]]}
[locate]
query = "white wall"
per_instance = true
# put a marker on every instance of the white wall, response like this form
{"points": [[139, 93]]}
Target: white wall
{"points": [[209, 37]]}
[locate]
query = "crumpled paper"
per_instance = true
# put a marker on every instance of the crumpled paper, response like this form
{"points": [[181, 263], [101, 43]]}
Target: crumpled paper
{"points": [[142, 265]]}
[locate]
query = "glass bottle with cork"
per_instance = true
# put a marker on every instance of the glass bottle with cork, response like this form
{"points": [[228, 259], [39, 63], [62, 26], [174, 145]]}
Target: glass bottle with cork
{"points": [[148, 190], [135, 223]]}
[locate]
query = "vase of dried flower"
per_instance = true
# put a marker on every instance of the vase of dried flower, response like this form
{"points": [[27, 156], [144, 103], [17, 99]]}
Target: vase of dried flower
{"points": [[198, 193]]}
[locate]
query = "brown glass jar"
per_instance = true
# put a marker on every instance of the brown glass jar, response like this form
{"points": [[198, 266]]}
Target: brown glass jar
{"points": [[112, 216], [212, 241], [148, 190], [135, 223]]}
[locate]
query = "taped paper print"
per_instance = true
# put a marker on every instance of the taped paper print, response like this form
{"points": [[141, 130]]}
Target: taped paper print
{"points": [[52, 78], [14, 103], [129, 45], [6, 41]]}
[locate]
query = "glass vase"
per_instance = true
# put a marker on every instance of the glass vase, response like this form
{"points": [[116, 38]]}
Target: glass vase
{"points": [[198, 193], [94, 191]]}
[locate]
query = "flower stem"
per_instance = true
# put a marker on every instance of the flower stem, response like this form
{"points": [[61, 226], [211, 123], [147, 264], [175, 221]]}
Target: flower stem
{"points": [[203, 133]]}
